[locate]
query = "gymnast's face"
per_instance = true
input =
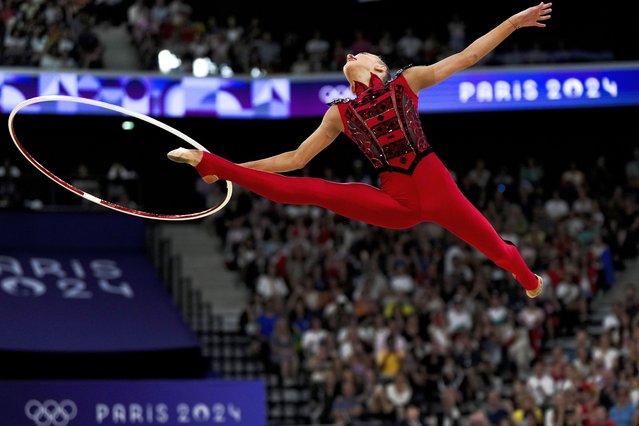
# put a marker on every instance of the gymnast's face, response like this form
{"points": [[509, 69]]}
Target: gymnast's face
{"points": [[364, 61]]}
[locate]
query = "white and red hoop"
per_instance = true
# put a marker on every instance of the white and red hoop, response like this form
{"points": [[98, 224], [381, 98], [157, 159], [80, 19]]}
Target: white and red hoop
{"points": [[92, 198]]}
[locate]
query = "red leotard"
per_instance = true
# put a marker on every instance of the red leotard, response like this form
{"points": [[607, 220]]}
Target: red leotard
{"points": [[415, 186]]}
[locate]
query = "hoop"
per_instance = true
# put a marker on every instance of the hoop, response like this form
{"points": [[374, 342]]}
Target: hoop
{"points": [[92, 198]]}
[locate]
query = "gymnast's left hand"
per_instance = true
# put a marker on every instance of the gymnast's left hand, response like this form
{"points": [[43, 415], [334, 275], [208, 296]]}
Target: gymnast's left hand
{"points": [[533, 16]]}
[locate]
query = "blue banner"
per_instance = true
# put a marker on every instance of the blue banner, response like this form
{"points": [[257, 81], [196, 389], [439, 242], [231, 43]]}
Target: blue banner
{"points": [[492, 90], [81, 282], [77, 302], [149, 402], [485, 89]]}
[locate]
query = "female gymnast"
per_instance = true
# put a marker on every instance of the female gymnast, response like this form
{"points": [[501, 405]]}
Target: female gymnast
{"points": [[384, 122]]}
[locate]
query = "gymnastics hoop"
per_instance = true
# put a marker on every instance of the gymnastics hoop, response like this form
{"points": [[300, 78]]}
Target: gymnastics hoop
{"points": [[92, 198]]}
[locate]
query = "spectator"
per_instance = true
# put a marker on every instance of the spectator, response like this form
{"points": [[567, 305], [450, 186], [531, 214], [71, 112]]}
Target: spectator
{"points": [[400, 280], [456, 33], [413, 417], [380, 408], [558, 368], [386, 46], [459, 318], [233, 31], [450, 413], [314, 337], [532, 317], [623, 413], [478, 178], [317, 50], [599, 418], [605, 352], [572, 180], [583, 361], [399, 393], [324, 397], [338, 54], [408, 47], [531, 173], [347, 407], [527, 411], [432, 48], [268, 317], [301, 64], [496, 409], [270, 284], [389, 358], [282, 350], [541, 384], [159, 15], [556, 207], [268, 52]]}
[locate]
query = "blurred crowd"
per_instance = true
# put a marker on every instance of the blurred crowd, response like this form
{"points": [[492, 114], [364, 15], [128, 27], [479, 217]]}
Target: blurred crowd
{"points": [[23, 189], [61, 34], [55, 34], [417, 327], [247, 44]]}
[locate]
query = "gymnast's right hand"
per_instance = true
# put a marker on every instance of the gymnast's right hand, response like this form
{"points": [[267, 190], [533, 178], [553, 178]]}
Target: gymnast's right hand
{"points": [[192, 157]]}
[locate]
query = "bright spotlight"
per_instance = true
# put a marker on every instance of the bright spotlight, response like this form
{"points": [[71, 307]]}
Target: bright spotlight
{"points": [[167, 61], [202, 67], [226, 71], [257, 72]]}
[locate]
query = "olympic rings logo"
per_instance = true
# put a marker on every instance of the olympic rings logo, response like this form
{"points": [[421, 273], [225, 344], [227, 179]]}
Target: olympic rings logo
{"points": [[50, 412], [330, 93]]}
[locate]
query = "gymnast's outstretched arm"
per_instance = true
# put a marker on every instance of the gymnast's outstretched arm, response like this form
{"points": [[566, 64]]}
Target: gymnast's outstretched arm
{"points": [[421, 77], [323, 136]]}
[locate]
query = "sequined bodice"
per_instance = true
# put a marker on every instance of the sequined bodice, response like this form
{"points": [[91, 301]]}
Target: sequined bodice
{"points": [[384, 123]]}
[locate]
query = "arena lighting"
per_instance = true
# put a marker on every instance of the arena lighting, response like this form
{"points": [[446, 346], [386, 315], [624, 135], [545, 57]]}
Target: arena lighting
{"points": [[257, 72], [202, 67], [226, 71], [168, 61]]}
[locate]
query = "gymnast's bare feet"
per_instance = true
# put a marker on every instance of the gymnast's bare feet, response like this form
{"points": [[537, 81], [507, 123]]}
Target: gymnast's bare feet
{"points": [[192, 157]]}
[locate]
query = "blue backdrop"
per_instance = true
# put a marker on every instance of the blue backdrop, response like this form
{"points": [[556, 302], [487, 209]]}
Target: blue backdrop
{"points": [[165, 402], [82, 283], [486, 89]]}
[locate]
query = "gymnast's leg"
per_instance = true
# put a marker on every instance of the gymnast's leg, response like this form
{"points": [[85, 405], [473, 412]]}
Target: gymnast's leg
{"points": [[446, 205], [353, 200]]}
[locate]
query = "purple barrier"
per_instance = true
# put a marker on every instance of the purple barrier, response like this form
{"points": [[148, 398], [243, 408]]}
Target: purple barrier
{"points": [[103, 230], [86, 303], [165, 402], [486, 89]]}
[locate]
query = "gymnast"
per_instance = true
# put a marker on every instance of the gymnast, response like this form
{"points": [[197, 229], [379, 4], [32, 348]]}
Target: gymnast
{"points": [[383, 121]]}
